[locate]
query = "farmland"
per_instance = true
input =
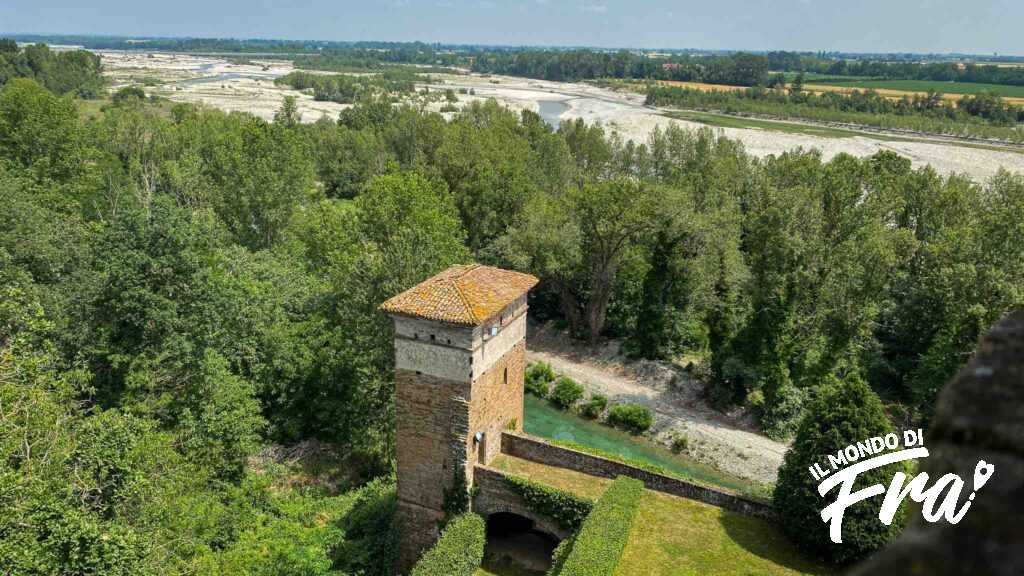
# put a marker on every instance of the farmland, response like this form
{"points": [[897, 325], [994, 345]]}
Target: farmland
{"points": [[888, 88], [899, 88]]}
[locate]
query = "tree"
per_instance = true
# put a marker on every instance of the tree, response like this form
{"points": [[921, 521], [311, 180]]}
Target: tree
{"points": [[818, 247], [796, 87], [576, 242], [402, 229], [39, 131], [263, 175], [288, 114], [489, 166], [842, 413]]}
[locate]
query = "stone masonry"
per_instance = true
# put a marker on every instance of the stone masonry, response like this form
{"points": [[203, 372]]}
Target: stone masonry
{"points": [[459, 366]]}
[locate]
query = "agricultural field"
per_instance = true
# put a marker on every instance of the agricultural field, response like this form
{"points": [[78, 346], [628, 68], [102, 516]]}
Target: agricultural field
{"points": [[888, 88], [898, 88]]}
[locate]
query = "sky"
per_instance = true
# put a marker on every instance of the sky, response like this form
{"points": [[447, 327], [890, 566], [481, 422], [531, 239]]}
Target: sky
{"points": [[923, 26]]}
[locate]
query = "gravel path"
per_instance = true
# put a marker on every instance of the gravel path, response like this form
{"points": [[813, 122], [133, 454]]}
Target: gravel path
{"points": [[725, 441]]}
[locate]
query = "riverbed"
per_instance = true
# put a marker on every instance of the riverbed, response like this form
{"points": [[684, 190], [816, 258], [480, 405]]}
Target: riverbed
{"points": [[249, 87]]}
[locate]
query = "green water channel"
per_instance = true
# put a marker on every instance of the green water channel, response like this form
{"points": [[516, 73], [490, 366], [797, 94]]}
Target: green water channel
{"points": [[542, 419]]}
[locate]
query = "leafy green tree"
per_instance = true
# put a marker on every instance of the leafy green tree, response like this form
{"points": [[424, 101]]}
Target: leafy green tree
{"points": [[841, 413], [487, 163], [288, 114], [39, 131], [221, 423], [262, 177], [576, 241]]}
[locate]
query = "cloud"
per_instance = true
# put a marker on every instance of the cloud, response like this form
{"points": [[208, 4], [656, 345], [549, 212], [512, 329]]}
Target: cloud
{"points": [[593, 8]]}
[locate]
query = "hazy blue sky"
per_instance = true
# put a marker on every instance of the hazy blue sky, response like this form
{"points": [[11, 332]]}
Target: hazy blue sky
{"points": [[979, 26]]}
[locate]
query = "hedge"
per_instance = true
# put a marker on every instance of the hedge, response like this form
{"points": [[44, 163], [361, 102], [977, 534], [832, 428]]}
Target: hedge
{"points": [[458, 552], [563, 507], [596, 549]]}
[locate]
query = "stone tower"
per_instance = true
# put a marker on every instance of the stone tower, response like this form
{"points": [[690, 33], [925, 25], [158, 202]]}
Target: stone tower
{"points": [[459, 360]]}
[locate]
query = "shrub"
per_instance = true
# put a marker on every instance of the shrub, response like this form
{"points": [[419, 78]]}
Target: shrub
{"points": [[567, 392], [630, 417], [458, 552], [596, 549], [538, 376], [128, 93], [595, 406], [842, 413], [680, 442], [563, 507]]}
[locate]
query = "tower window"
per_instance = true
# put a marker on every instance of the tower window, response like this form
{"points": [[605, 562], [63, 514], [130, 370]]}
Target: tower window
{"points": [[432, 337], [506, 375]]}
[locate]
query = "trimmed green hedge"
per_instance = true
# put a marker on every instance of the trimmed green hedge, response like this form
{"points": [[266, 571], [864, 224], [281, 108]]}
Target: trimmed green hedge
{"points": [[563, 507], [459, 552], [596, 549]]}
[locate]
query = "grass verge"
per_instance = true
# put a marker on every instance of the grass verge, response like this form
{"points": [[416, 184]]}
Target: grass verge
{"points": [[678, 537]]}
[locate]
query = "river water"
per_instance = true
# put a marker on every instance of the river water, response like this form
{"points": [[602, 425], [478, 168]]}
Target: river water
{"points": [[551, 111]]}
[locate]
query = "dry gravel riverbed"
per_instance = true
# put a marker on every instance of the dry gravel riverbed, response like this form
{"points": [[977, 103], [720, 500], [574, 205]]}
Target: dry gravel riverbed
{"points": [[728, 442], [249, 87]]}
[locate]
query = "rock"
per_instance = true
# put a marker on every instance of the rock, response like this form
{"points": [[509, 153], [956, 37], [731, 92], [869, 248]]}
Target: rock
{"points": [[979, 416]]}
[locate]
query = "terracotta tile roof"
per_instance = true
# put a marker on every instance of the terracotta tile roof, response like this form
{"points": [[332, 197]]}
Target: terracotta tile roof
{"points": [[467, 294]]}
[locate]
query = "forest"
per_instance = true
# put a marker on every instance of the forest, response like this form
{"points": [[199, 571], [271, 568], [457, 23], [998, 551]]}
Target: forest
{"points": [[76, 72], [739, 69], [189, 294]]}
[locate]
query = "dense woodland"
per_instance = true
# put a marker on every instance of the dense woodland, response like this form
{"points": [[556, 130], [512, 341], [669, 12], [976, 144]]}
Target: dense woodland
{"points": [[76, 72], [186, 292]]}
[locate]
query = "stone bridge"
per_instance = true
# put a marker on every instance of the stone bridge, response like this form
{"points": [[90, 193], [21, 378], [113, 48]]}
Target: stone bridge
{"points": [[493, 496]]}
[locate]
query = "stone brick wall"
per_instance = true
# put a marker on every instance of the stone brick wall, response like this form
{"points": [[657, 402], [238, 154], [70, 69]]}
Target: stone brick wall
{"points": [[529, 448], [496, 403], [432, 423]]}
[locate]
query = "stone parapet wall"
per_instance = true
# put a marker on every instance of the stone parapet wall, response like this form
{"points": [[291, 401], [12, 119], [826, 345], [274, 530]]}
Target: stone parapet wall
{"points": [[537, 450]]}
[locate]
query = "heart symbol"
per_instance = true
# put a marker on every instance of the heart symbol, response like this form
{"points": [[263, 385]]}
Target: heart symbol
{"points": [[982, 472]]}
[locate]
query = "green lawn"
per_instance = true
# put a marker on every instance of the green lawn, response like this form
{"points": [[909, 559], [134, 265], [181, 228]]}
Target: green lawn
{"points": [[674, 536], [677, 537], [543, 420], [569, 480]]}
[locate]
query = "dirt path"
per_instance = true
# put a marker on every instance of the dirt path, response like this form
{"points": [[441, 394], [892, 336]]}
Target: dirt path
{"points": [[724, 441]]}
